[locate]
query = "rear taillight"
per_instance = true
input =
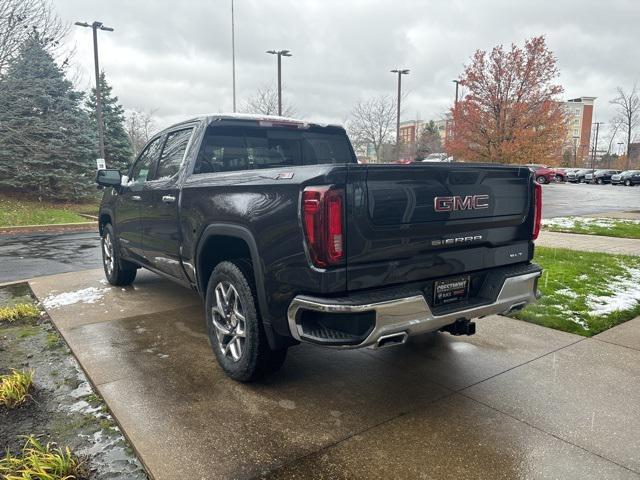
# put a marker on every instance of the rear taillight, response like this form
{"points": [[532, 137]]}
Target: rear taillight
{"points": [[322, 216], [537, 209]]}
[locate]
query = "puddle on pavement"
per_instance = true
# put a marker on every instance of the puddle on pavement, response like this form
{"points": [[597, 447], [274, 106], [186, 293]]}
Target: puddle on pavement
{"points": [[64, 409]]}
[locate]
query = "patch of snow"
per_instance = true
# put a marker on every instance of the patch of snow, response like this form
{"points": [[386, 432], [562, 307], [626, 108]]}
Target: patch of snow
{"points": [[567, 292], [86, 295], [625, 293], [572, 222]]}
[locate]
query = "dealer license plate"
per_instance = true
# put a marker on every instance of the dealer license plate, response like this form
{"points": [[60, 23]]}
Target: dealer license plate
{"points": [[450, 290]]}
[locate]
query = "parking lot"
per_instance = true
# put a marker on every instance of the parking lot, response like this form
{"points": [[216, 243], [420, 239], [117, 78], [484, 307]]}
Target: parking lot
{"points": [[514, 401], [565, 199]]}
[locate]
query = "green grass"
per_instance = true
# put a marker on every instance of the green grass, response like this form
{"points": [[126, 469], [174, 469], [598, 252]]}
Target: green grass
{"points": [[609, 227], [570, 284], [17, 212]]}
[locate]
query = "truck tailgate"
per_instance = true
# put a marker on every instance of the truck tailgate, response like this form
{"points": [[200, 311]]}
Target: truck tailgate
{"points": [[420, 221]]}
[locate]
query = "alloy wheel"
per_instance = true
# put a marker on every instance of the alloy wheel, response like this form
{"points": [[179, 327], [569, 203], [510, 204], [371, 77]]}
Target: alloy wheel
{"points": [[227, 315], [107, 254]]}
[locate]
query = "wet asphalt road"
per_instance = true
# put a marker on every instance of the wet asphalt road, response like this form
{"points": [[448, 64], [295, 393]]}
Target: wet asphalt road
{"points": [[28, 256]]}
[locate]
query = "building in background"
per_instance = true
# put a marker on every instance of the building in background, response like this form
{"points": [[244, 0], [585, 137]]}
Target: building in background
{"points": [[580, 118]]}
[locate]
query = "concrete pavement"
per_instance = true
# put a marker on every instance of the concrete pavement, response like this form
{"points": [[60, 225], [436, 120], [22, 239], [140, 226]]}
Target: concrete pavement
{"points": [[514, 401], [589, 243]]}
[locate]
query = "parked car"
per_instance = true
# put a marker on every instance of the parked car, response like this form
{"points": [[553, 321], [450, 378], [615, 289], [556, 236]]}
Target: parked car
{"points": [[579, 175], [601, 176], [632, 179], [621, 178], [288, 239], [544, 174]]}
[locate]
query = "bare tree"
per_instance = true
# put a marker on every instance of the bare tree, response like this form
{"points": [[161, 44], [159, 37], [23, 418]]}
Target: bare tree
{"points": [[140, 126], [372, 122], [265, 102], [628, 116], [21, 18]]}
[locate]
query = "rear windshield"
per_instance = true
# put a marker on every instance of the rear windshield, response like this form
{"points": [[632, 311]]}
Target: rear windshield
{"points": [[226, 149]]}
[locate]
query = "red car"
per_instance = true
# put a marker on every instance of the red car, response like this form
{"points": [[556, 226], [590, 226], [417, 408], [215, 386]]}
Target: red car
{"points": [[544, 174]]}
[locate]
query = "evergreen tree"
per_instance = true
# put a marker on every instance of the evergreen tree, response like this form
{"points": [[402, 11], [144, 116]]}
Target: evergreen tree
{"points": [[47, 146], [429, 141], [117, 147]]}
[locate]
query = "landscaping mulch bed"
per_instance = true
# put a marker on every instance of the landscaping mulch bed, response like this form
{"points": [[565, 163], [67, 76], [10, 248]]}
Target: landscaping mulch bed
{"points": [[62, 408]]}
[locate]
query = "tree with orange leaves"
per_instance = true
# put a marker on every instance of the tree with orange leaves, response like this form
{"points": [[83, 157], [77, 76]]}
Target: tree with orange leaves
{"points": [[511, 112]]}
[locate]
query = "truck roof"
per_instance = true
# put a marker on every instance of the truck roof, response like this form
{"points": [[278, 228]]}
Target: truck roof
{"points": [[256, 118]]}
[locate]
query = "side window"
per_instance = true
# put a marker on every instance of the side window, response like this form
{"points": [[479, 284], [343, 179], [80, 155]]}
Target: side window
{"points": [[145, 161], [173, 153]]}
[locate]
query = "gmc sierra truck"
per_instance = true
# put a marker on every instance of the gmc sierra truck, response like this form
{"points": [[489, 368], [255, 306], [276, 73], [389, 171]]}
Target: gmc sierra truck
{"points": [[288, 239]]}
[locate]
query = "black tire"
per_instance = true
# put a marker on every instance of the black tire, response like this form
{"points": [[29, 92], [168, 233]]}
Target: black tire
{"points": [[628, 183], [541, 180], [581, 180], [599, 181], [118, 271], [247, 358]]}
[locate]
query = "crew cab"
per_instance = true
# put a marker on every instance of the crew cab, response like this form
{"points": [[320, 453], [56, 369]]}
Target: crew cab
{"points": [[288, 239]]}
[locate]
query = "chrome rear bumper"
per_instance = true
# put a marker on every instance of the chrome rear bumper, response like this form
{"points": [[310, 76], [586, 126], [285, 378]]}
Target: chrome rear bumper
{"points": [[412, 314]]}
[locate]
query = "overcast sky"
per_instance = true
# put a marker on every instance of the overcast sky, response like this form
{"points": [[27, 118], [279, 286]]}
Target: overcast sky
{"points": [[174, 57]]}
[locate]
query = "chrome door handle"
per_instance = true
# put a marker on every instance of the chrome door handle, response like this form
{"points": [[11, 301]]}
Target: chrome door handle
{"points": [[168, 198], [136, 198]]}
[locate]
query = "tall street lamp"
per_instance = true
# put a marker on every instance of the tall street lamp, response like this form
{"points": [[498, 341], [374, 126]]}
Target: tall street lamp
{"points": [[400, 72], [280, 54], [233, 56], [595, 145], [457, 82], [95, 26]]}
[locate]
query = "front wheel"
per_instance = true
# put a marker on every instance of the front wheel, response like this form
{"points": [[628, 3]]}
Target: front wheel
{"points": [[627, 182], [119, 272], [541, 180], [235, 329], [599, 181]]}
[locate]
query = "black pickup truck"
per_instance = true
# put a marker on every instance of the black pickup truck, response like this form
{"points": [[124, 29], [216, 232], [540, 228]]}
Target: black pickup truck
{"points": [[290, 240]]}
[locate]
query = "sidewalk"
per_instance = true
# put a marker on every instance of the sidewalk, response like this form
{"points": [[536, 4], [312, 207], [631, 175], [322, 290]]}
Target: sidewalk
{"points": [[516, 400], [589, 243]]}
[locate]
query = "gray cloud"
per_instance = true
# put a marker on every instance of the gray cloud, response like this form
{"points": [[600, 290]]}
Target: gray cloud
{"points": [[174, 57]]}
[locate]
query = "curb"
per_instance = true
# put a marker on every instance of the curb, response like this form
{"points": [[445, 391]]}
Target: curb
{"points": [[49, 228]]}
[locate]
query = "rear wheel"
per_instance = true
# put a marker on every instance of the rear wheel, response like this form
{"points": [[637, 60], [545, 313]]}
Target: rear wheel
{"points": [[541, 180], [627, 182], [119, 272], [599, 181], [234, 326]]}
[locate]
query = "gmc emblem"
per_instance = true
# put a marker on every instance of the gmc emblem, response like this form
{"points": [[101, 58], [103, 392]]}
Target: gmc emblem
{"points": [[468, 202]]}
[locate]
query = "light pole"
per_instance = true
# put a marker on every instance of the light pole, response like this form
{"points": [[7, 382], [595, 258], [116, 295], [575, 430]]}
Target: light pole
{"points": [[95, 26], [400, 72], [233, 56], [575, 149], [457, 82], [280, 54], [595, 145]]}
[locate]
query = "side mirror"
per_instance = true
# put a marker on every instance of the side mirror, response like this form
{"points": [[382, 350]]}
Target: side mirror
{"points": [[109, 178]]}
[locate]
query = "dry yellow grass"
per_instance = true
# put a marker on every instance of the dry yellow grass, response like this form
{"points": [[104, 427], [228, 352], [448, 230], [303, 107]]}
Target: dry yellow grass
{"points": [[15, 388]]}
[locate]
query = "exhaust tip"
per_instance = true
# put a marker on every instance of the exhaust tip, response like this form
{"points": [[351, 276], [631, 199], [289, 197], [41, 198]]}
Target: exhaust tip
{"points": [[392, 340]]}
